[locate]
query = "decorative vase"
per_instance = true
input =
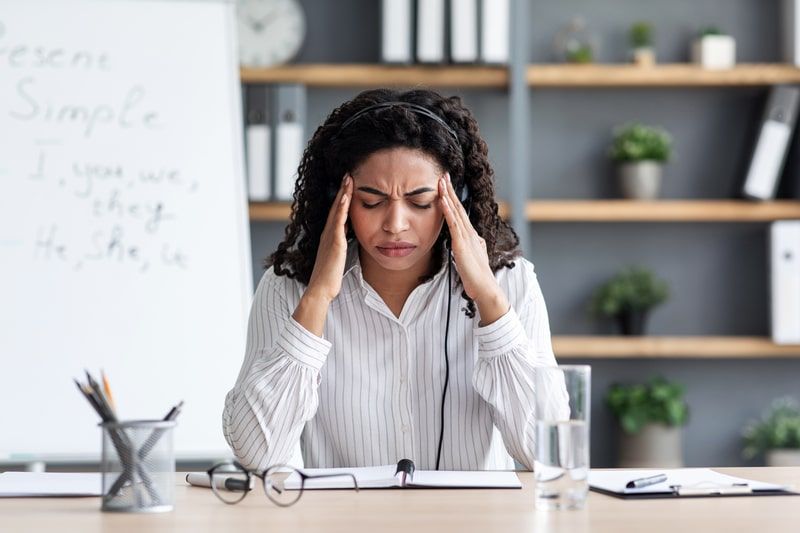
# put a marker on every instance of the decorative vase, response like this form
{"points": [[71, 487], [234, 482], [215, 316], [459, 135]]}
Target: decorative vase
{"points": [[632, 322], [714, 52], [783, 457], [574, 43], [655, 446], [640, 180]]}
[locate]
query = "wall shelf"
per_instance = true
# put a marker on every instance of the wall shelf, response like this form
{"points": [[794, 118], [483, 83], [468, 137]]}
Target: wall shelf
{"points": [[537, 75], [270, 211], [609, 347], [661, 211], [665, 75], [612, 211], [280, 211], [377, 75]]}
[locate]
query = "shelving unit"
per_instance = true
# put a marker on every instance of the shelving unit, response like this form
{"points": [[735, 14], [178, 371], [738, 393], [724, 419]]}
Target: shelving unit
{"points": [[518, 79]]}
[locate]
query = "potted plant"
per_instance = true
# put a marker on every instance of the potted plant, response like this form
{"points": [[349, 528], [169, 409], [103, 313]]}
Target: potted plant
{"points": [[712, 49], [640, 152], [650, 417], [628, 297], [641, 40], [776, 434]]}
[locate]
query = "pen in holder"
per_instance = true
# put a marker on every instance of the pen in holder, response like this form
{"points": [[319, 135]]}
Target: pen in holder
{"points": [[138, 459], [138, 466]]}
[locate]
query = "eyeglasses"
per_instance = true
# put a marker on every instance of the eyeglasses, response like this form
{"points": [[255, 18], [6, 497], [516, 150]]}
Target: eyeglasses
{"points": [[283, 484]]}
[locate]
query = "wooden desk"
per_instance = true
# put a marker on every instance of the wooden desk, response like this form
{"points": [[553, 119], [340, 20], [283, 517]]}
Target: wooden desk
{"points": [[418, 511]]}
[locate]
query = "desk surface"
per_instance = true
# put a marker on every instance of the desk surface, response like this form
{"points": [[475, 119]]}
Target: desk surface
{"points": [[418, 511]]}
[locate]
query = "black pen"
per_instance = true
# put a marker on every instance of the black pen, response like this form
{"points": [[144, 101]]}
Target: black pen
{"points": [[646, 481], [406, 466], [174, 412]]}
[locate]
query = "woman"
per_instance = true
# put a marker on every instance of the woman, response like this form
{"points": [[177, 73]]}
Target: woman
{"points": [[352, 348]]}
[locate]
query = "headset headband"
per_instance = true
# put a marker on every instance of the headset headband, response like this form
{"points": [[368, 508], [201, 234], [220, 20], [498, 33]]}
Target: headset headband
{"points": [[416, 108]]}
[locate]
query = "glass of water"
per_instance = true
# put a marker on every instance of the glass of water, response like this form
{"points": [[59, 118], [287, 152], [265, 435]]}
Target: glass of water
{"points": [[561, 467]]}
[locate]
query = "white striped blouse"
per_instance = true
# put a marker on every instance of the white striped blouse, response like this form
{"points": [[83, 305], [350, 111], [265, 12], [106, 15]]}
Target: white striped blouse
{"points": [[369, 391]]}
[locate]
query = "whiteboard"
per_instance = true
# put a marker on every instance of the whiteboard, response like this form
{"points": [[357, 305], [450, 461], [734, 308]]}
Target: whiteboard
{"points": [[124, 235]]}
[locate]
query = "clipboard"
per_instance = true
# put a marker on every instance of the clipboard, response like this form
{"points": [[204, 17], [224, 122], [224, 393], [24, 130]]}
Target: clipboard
{"points": [[681, 483]]}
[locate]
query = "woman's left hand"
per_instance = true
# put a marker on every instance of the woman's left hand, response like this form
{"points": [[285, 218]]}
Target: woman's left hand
{"points": [[469, 251]]}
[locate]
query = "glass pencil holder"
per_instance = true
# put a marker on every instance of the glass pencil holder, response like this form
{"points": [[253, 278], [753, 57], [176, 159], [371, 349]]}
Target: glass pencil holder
{"points": [[138, 466]]}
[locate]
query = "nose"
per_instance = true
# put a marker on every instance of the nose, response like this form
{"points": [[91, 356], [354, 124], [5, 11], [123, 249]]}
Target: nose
{"points": [[396, 219]]}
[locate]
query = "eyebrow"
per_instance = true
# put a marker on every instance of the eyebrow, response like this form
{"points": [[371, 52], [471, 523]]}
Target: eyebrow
{"points": [[415, 192]]}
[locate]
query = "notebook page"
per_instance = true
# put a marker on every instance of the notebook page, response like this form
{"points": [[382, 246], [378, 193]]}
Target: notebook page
{"points": [[367, 477], [463, 479]]}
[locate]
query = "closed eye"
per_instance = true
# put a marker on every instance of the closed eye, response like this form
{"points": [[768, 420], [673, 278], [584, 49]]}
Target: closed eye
{"points": [[418, 206]]}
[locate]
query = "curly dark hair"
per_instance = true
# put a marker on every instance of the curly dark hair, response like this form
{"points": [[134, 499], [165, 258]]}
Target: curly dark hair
{"points": [[332, 152]]}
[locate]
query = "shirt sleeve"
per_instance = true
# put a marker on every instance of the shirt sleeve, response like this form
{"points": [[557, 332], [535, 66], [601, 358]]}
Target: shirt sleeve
{"points": [[276, 392], [509, 351]]}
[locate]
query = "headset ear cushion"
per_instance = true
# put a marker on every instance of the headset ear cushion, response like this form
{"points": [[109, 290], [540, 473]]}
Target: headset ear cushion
{"points": [[332, 191], [461, 192], [463, 196]]}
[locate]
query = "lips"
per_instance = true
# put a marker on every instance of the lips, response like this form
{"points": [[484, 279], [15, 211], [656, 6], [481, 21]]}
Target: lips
{"points": [[396, 248], [396, 244]]}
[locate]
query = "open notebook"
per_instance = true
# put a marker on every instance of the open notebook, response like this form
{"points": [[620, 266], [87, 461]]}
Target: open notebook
{"points": [[401, 476]]}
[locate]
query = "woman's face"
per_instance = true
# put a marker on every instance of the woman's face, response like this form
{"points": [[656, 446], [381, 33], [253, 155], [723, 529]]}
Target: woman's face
{"points": [[394, 211]]}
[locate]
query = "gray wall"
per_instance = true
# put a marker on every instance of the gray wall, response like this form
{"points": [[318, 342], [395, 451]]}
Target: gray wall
{"points": [[717, 272]]}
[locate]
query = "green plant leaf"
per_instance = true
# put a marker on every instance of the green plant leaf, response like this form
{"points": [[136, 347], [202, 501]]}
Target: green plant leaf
{"points": [[632, 289], [637, 405], [778, 427], [637, 142]]}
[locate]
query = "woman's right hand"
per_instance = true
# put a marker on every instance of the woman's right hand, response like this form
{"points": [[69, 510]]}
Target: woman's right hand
{"points": [[326, 279]]}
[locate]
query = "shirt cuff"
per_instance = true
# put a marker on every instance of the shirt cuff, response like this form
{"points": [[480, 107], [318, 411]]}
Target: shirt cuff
{"points": [[500, 336], [304, 346]]}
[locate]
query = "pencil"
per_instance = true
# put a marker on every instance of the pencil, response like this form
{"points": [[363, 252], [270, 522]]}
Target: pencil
{"points": [[97, 392], [107, 388], [91, 399]]}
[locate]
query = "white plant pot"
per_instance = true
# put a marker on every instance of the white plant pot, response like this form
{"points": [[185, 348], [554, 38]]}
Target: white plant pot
{"points": [[783, 457], [655, 446], [640, 180], [715, 52], [644, 56]]}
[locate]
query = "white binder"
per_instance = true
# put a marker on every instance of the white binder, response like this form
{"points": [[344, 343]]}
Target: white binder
{"points": [[464, 31], [790, 22], [495, 38], [430, 31], [258, 140], [785, 281], [289, 113], [258, 144], [772, 144], [397, 29]]}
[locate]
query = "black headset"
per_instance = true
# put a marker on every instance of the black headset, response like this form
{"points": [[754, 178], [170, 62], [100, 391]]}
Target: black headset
{"points": [[462, 191]]}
